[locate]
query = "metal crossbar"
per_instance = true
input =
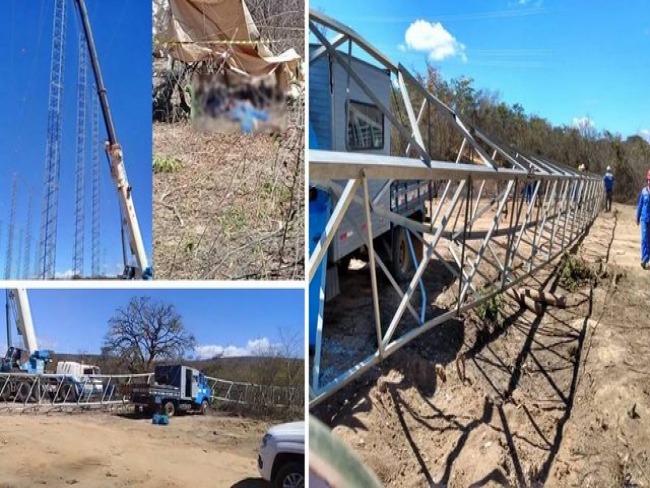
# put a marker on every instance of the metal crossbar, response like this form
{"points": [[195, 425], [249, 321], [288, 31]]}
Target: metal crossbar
{"points": [[494, 224]]}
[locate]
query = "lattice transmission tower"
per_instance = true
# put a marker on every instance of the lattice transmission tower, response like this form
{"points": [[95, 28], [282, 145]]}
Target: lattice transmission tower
{"points": [[79, 220], [47, 259]]}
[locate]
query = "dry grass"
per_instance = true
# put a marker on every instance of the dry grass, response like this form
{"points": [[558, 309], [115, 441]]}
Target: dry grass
{"points": [[234, 206]]}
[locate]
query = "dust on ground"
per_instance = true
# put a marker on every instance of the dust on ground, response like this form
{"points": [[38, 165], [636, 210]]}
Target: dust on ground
{"points": [[562, 399], [229, 206], [109, 450]]}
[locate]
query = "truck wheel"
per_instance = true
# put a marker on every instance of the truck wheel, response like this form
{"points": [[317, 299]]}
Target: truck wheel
{"points": [[290, 475], [205, 407], [401, 264], [68, 393], [170, 409], [22, 392]]}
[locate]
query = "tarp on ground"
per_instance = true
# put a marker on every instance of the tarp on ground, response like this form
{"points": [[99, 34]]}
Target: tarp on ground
{"points": [[199, 30]]}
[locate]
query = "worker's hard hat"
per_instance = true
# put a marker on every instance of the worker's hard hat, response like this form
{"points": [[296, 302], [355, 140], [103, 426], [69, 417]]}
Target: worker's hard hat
{"points": [[609, 168], [581, 167]]}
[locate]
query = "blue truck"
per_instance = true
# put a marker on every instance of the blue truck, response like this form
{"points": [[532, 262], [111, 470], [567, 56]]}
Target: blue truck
{"points": [[173, 388]]}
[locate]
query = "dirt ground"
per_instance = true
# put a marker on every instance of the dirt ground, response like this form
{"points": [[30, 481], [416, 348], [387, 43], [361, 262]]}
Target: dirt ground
{"points": [[561, 399], [110, 450], [229, 206]]}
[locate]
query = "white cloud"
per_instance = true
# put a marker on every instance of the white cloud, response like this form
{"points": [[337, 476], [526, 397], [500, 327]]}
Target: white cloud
{"points": [[434, 39], [67, 274], [645, 134], [583, 123], [254, 347]]}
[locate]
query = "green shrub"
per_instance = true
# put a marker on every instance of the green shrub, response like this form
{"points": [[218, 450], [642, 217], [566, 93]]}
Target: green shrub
{"points": [[574, 272], [490, 310], [164, 164]]}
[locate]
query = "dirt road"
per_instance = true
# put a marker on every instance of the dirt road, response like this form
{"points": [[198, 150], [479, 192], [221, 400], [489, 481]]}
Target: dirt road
{"points": [[104, 450], [557, 400]]}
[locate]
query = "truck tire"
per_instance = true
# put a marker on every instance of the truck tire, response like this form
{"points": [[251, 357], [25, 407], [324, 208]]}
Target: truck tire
{"points": [[68, 393], [290, 475], [205, 407], [22, 392], [169, 408], [401, 263]]}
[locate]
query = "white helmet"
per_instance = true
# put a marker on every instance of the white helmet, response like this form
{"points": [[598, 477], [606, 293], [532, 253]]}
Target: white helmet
{"points": [[609, 169]]}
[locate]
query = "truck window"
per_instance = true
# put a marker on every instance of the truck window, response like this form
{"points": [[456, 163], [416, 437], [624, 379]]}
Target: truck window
{"points": [[365, 126]]}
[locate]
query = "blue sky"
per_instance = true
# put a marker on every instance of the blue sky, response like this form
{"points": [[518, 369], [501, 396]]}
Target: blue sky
{"points": [[231, 322], [124, 50], [563, 61]]}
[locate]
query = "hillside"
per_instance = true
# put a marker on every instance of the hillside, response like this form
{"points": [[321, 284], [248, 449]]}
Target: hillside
{"points": [[259, 370]]}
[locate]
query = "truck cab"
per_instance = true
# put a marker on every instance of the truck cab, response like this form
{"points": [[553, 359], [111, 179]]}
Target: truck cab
{"points": [[174, 388], [82, 376]]}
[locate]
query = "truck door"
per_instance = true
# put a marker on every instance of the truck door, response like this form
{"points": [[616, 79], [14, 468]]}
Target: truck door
{"points": [[195, 385], [188, 383]]}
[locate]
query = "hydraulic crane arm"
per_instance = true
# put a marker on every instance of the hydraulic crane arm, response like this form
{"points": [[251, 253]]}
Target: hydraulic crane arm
{"points": [[24, 320], [116, 160]]}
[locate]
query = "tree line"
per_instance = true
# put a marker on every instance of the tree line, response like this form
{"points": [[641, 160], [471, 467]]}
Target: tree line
{"points": [[510, 125]]}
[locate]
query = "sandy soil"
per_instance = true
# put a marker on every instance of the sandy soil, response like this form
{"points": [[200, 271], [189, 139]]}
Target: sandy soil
{"points": [[105, 450], [557, 400]]}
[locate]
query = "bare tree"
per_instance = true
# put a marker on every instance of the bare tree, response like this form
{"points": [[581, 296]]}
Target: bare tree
{"points": [[281, 24], [279, 363], [145, 331]]}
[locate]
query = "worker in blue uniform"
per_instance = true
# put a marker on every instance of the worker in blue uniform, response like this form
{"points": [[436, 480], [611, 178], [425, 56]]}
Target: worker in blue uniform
{"points": [[608, 181], [643, 220]]}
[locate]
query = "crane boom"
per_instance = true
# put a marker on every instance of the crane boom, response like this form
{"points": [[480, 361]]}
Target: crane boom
{"points": [[116, 160], [24, 320]]}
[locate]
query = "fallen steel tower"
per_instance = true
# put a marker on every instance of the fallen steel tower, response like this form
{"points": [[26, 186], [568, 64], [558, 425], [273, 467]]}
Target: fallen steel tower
{"points": [[501, 214]]}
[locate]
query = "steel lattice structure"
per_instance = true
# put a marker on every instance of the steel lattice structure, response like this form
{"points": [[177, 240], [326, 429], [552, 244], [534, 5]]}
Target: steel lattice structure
{"points": [[79, 220], [51, 392], [501, 215], [47, 258], [28, 238], [95, 221], [12, 226]]}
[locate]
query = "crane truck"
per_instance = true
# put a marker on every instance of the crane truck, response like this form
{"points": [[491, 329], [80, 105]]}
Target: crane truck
{"points": [[29, 361], [130, 226]]}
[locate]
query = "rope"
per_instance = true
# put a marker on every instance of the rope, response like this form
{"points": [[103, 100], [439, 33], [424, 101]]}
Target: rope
{"points": [[224, 42]]}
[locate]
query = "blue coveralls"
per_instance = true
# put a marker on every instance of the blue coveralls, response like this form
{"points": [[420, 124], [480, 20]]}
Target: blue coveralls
{"points": [[608, 180], [643, 219], [246, 115]]}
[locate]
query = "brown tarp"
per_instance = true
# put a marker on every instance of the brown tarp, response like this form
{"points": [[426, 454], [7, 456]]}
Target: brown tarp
{"points": [[199, 30]]}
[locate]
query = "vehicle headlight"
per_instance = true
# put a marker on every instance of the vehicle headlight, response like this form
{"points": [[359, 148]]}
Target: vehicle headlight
{"points": [[266, 439]]}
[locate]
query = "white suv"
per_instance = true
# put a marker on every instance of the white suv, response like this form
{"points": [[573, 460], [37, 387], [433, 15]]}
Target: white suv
{"points": [[281, 458]]}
